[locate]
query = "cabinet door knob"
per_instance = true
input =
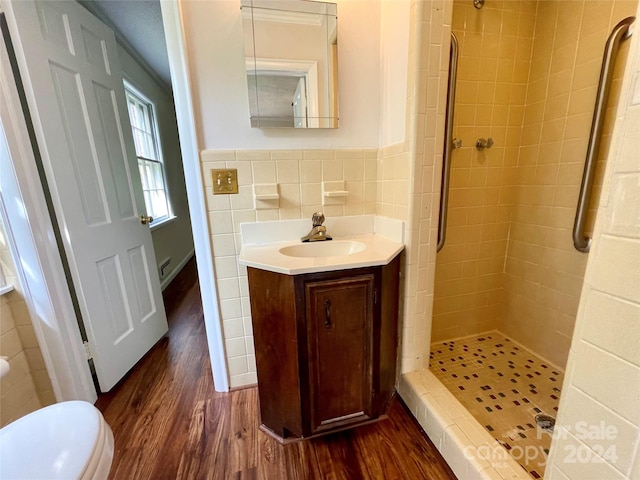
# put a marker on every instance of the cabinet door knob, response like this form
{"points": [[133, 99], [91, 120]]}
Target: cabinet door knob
{"points": [[327, 313]]}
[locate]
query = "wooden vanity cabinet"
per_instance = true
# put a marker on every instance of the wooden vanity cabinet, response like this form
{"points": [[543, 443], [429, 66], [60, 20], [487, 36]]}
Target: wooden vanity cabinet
{"points": [[326, 347]]}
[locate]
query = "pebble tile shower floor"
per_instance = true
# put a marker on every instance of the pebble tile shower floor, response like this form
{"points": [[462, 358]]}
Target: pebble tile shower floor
{"points": [[504, 387]]}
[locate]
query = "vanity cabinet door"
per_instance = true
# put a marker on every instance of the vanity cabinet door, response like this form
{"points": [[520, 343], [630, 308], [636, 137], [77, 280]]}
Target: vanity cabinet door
{"points": [[340, 317]]}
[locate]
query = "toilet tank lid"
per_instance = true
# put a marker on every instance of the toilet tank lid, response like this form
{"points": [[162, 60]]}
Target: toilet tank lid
{"points": [[54, 442]]}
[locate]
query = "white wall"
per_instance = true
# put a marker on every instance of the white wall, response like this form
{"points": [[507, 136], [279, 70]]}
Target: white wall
{"points": [[173, 239], [394, 58], [216, 57]]}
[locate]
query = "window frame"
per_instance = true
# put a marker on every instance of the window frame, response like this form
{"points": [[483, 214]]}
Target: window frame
{"points": [[131, 90]]}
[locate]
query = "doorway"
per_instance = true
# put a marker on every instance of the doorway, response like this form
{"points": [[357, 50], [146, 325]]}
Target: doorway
{"points": [[66, 342]]}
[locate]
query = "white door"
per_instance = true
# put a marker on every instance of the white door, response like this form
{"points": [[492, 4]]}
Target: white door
{"points": [[69, 67]]}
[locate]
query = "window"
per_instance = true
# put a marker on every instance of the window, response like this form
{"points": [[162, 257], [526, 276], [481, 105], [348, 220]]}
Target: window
{"points": [[145, 136]]}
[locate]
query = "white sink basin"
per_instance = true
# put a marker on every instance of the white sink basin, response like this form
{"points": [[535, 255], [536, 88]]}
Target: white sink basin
{"points": [[327, 248]]}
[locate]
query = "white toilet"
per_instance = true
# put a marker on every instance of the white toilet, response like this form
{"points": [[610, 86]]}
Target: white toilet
{"points": [[68, 440]]}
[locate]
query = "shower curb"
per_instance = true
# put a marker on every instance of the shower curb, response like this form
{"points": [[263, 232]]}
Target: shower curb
{"points": [[471, 452]]}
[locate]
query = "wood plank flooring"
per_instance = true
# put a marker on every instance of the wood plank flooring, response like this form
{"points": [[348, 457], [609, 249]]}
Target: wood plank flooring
{"points": [[168, 421]]}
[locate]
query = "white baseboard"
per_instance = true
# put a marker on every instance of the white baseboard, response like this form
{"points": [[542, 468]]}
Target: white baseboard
{"points": [[165, 283]]}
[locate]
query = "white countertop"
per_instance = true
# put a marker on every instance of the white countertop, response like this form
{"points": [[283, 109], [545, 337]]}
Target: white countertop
{"points": [[262, 242]]}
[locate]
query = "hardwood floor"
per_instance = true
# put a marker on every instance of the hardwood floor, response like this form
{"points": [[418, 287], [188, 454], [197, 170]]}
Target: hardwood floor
{"points": [[168, 422]]}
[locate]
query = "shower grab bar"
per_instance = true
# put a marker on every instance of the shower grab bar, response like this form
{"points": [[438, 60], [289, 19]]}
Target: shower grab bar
{"points": [[620, 32], [448, 143]]}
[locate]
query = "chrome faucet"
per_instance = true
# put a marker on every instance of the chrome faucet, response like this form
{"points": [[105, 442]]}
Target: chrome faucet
{"points": [[319, 231]]}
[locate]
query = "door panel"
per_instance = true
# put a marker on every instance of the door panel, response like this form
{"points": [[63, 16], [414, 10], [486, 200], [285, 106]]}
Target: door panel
{"points": [[118, 312], [339, 321], [76, 130], [142, 283], [54, 27], [73, 83], [116, 157], [95, 51]]}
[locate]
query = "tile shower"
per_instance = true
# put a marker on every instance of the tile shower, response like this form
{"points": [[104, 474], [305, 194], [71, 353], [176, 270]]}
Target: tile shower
{"points": [[505, 387], [508, 280]]}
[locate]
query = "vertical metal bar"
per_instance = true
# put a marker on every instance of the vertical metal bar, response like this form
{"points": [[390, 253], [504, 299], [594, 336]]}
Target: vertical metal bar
{"points": [[448, 143], [620, 32]]}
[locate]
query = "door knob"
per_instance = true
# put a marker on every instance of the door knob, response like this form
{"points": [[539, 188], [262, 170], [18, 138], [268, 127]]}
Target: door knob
{"points": [[145, 219]]}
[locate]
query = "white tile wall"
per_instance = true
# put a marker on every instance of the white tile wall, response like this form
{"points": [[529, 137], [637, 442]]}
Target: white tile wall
{"points": [[602, 384], [414, 167], [468, 448], [621, 317]]}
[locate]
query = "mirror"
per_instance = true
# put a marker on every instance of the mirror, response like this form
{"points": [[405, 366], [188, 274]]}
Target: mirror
{"points": [[291, 55]]}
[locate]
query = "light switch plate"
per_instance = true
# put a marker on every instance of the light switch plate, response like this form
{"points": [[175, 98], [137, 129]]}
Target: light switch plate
{"points": [[225, 181]]}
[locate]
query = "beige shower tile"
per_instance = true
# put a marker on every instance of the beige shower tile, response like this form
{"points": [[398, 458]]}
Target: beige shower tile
{"points": [[596, 17], [583, 100], [578, 126], [468, 68], [483, 113], [568, 29], [526, 24], [552, 130], [590, 50], [563, 56], [467, 92], [502, 93], [550, 153], [570, 174], [465, 114], [531, 134]]}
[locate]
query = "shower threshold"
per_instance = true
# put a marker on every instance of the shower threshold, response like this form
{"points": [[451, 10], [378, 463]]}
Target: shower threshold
{"points": [[478, 403]]}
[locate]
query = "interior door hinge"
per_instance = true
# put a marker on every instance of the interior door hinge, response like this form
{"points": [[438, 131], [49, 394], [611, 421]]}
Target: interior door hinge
{"points": [[375, 297], [87, 350]]}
